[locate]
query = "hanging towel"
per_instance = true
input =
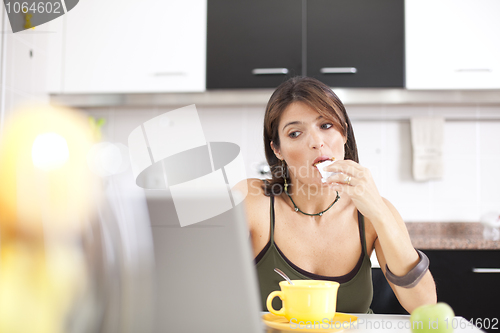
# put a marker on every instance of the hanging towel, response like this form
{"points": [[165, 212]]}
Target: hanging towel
{"points": [[427, 143]]}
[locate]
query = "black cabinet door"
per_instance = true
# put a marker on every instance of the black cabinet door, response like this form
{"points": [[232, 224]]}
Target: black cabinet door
{"points": [[367, 35], [247, 38], [469, 281], [384, 300]]}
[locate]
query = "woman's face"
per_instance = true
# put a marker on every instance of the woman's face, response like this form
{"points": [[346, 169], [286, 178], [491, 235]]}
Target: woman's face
{"points": [[306, 136]]}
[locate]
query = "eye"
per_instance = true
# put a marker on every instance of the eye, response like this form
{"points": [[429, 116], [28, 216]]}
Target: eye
{"points": [[326, 126], [293, 135]]}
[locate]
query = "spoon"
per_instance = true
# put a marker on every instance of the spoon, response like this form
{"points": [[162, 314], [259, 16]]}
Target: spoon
{"points": [[277, 270]]}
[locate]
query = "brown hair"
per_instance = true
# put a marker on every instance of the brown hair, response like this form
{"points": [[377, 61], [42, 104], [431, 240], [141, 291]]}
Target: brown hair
{"points": [[318, 96]]}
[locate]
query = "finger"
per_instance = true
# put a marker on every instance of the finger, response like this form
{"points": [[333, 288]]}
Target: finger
{"points": [[355, 171], [346, 162], [342, 188], [342, 178], [344, 166], [352, 191], [348, 180]]}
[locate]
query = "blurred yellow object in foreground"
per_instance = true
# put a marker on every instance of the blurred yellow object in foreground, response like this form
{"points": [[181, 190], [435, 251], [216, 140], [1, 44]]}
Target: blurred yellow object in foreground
{"points": [[46, 184], [38, 287]]}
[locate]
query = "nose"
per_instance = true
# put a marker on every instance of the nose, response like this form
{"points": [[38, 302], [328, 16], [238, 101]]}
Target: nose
{"points": [[316, 141]]}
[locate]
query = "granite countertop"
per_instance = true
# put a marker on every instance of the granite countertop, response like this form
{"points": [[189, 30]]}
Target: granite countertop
{"points": [[449, 236]]}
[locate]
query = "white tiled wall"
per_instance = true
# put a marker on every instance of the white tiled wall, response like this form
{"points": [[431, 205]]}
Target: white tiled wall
{"points": [[471, 182]]}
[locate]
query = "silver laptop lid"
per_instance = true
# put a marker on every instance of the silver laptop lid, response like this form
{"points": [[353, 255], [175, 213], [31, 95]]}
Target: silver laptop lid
{"points": [[206, 278]]}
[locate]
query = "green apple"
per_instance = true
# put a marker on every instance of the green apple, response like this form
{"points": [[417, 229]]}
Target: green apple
{"points": [[435, 318]]}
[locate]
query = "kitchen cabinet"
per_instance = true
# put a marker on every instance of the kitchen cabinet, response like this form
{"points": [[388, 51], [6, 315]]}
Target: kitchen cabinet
{"points": [[344, 43], [468, 281], [2, 27], [53, 53], [24, 72], [253, 44], [356, 43], [465, 279], [128, 46], [452, 44], [384, 300]]}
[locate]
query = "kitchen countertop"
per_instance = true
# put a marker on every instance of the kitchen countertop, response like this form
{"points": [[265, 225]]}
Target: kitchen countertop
{"points": [[449, 236]]}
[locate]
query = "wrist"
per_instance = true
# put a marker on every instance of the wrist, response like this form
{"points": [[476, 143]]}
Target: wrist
{"points": [[411, 278]]}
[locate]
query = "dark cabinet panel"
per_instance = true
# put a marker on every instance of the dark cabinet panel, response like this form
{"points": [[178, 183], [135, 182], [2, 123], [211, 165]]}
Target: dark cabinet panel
{"points": [[384, 300], [471, 294], [468, 280], [243, 36], [360, 34]]}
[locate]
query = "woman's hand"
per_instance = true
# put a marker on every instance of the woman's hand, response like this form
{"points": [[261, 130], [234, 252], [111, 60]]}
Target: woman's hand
{"points": [[393, 244], [357, 182]]}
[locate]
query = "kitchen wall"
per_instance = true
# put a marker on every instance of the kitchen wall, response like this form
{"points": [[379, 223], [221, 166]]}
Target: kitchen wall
{"points": [[468, 189]]}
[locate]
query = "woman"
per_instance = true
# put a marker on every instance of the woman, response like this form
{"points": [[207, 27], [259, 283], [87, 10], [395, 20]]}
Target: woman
{"points": [[315, 230]]}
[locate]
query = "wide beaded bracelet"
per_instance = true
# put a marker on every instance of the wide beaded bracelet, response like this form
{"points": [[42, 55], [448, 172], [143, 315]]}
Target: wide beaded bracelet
{"points": [[414, 276]]}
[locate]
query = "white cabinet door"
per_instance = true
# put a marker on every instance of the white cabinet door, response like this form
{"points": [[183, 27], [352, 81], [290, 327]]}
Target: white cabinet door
{"points": [[50, 53], [24, 70], [452, 44], [127, 46]]}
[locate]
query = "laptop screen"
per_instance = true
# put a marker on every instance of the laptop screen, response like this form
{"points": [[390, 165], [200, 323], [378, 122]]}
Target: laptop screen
{"points": [[206, 278]]}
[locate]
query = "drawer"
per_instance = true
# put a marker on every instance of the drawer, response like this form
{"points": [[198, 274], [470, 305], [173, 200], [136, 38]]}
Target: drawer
{"points": [[468, 280]]}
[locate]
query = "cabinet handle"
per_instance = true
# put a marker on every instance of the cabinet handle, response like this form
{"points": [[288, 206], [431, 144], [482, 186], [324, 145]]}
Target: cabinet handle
{"points": [[338, 70], [486, 270], [474, 70], [269, 71]]}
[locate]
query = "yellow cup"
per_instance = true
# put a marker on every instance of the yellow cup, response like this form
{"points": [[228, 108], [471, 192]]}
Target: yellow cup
{"points": [[306, 300]]}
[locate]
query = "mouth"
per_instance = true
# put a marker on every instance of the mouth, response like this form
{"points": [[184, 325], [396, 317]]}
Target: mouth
{"points": [[322, 159]]}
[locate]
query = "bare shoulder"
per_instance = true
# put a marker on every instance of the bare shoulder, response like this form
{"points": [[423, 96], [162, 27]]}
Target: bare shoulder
{"points": [[257, 211], [253, 185], [256, 202]]}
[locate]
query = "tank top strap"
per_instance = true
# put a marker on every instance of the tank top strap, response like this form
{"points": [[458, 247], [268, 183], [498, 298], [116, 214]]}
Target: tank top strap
{"points": [[272, 219], [361, 226]]}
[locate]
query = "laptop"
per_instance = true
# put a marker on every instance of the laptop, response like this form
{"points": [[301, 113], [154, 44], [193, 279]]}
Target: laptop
{"points": [[205, 276]]}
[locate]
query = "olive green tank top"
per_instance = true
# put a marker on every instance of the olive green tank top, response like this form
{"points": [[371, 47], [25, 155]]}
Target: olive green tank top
{"points": [[356, 289]]}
